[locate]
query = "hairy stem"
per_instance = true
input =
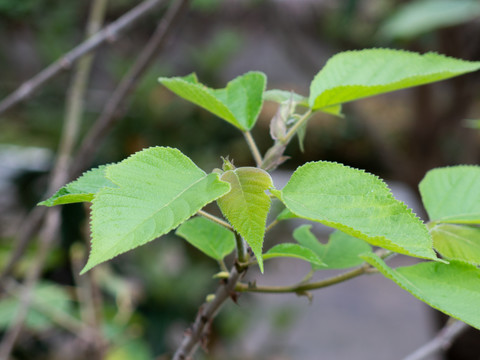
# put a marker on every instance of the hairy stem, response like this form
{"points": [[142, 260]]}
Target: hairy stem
{"points": [[241, 249], [215, 219], [253, 148], [293, 130]]}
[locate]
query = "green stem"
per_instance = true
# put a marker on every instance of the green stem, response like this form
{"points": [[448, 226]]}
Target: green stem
{"points": [[222, 265], [293, 130], [253, 148], [215, 219], [302, 287], [241, 250], [271, 225]]}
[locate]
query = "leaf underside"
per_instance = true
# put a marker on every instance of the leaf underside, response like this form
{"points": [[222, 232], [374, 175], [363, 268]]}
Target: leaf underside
{"points": [[451, 288], [158, 189], [353, 75], [239, 103], [357, 203], [80, 190], [211, 238], [293, 251], [452, 194], [246, 206], [457, 242]]}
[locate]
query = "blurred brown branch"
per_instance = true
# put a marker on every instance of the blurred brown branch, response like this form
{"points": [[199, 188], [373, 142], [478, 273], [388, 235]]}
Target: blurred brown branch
{"points": [[109, 33], [83, 158], [442, 341]]}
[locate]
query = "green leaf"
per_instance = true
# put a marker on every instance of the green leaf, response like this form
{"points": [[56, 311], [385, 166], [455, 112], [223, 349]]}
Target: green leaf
{"points": [[82, 189], [353, 75], [342, 251], [239, 103], [46, 296], [283, 96], [286, 214], [451, 288], [294, 251], [457, 242], [452, 194], [418, 17], [158, 189], [246, 206], [211, 238], [357, 203], [472, 123]]}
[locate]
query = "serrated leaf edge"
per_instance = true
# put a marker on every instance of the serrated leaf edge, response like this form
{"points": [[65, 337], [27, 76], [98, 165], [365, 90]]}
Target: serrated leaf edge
{"points": [[357, 233]]}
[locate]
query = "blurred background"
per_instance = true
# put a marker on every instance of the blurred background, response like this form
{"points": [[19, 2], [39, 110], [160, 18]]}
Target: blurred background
{"points": [[140, 303]]}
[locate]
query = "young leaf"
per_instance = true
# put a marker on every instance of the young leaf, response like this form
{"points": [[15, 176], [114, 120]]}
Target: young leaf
{"points": [[451, 288], [357, 203], [158, 189], [457, 242], [239, 103], [82, 189], [246, 206], [452, 194], [281, 96], [342, 251], [211, 238], [294, 251], [353, 75]]}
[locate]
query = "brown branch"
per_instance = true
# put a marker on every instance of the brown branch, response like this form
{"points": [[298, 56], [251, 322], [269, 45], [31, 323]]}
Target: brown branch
{"points": [[115, 106], [109, 33], [198, 332], [442, 341]]}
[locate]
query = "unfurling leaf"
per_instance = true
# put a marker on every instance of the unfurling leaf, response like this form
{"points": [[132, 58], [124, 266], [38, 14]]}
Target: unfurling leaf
{"points": [[239, 103], [157, 189], [357, 203], [211, 238], [246, 206]]}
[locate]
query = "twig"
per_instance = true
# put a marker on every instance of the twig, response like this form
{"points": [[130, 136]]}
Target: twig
{"points": [[302, 286], [199, 330], [442, 341], [116, 104], [109, 33]]}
